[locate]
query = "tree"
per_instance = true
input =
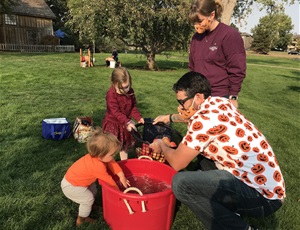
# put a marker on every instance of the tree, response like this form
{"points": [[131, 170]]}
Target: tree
{"points": [[152, 26], [284, 35], [239, 9], [273, 30], [7, 5], [262, 36], [60, 9]]}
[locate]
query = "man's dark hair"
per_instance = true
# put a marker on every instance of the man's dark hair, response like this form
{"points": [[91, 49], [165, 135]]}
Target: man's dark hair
{"points": [[193, 83]]}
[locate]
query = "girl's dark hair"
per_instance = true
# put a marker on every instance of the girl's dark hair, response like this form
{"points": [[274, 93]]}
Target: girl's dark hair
{"points": [[100, 143], [193, 83], [205, 8]]}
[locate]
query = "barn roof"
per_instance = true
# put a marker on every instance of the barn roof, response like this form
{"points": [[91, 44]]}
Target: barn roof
{"points": [[35, 8]]}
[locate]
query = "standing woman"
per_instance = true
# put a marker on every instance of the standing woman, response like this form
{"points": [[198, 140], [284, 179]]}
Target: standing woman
{"points": [[217, 50]]}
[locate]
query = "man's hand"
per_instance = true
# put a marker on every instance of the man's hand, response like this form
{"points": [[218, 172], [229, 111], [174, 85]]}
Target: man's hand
{"points": [[162, 118]]}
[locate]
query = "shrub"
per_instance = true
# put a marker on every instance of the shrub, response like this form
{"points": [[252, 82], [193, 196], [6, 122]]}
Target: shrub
{"points": [[49, 40]]}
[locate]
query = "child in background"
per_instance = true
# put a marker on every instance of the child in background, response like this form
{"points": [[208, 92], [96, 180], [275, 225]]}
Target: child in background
{"points": [[120, 108], [79, 184]]}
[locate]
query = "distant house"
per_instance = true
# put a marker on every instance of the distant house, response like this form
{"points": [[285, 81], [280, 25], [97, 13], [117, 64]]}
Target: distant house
{"points": [[247, 38], [28, 22], [294, 44]]}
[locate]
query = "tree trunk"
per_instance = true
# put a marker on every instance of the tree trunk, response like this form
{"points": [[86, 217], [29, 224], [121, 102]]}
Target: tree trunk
{"points": [[228, 10], [151, 65]]}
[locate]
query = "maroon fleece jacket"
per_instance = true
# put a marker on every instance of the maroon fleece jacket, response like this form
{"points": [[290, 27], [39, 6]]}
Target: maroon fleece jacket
{"points": [[220, 56]]}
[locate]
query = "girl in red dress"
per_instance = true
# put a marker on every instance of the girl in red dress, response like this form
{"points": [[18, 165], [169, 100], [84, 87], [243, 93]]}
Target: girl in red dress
{"points": [[121, 109]]}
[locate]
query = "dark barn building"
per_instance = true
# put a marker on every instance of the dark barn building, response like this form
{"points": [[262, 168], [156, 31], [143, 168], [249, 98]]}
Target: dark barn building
{"points": [[27, 23]]}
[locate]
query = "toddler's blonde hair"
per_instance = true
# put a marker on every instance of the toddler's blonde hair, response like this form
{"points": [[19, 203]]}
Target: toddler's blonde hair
{"points": [[101, 143]]}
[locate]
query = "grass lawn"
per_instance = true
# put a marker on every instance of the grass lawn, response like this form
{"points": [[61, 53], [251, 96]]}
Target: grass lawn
{"points": [[45, 85]]}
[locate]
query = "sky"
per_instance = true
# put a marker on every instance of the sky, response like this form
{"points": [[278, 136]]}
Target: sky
{"points": [[252, 20]]}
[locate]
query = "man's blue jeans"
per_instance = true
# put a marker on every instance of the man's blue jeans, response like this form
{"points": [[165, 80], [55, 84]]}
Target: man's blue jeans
{"points": [[218, 199]]}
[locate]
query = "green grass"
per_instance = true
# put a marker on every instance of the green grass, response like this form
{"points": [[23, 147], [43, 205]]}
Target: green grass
{"points": [[38, 86]]}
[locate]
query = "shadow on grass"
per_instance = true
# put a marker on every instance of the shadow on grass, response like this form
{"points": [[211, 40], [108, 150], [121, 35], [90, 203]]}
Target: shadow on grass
{"points": [[294, 88]]}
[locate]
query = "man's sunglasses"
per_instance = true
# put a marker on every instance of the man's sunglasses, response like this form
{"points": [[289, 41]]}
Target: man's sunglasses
{"points": [[181, 102]]}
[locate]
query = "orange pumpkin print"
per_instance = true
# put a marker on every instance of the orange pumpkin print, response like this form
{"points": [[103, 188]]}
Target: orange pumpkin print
{"points": [[245, 157], [255, 149], [262, 157], [205, 154], [206, 106], [247, 126], [229, 115], [222, 107], [197, 126], [204, 111], [213, 158], [217, 130], [249, 138], [223, 138], [212, 103], [260, 179], [258, 169], [235, 173], [223, 118], [232, 123], [267, 193], [270, 153], [189, 138], [197, 148], [271, 164], [279, 191], [202, 137], [229, 156], [215, 111], [238, 119], [277, 176], [264, 144], [255, 135], [239, 163], [244, 176], [276, 161], [230, 150], [204, 117], [229, 106], [244, 146], [229, 164], [213, 148], [240, 132], [219, 100], [259, 134], [220, 158]]}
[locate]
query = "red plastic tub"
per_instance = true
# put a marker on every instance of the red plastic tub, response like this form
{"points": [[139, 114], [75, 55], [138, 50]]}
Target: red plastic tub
{"points": [[153, 211]]}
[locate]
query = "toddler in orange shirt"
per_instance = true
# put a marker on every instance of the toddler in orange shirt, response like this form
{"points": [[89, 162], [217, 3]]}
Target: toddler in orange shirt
{"points": [[79, 184]]}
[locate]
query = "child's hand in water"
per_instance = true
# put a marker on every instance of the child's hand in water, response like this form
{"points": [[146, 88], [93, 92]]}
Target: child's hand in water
{"points": [[125, 182]]}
